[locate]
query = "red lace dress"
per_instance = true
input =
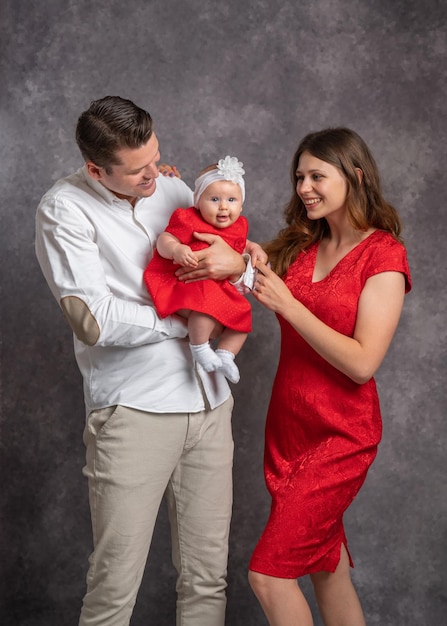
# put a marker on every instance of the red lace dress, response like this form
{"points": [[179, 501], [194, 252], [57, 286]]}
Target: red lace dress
{"points": [[322, 429], [217, 298]]}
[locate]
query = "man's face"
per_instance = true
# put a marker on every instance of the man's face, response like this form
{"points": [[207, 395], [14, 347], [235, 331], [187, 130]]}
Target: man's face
{"points": [[135, 176]]}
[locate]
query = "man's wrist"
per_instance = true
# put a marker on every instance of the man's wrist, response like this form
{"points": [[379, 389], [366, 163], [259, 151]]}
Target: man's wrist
{"points": [[235, 278]]}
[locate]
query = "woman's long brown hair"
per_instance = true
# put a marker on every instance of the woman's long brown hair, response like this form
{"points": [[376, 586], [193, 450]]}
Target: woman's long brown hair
{"points": [[365, 204]]}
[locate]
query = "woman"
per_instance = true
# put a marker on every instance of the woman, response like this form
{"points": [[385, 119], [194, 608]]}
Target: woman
{"points": [[337, 284]]}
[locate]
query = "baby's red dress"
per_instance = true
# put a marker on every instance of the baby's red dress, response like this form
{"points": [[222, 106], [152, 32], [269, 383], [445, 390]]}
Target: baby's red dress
{"points": [[322, 429], [217, 298]]}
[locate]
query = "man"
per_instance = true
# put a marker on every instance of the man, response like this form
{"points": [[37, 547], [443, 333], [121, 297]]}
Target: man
{"points": [[156, 422]]}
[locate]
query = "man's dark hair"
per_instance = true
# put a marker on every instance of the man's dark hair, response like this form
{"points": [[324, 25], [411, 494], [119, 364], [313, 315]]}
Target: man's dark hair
{"points": [[108, 125]]}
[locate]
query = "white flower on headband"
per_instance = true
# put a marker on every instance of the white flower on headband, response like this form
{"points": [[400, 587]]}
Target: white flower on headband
{"points": [[231, 169], [228, 168]]}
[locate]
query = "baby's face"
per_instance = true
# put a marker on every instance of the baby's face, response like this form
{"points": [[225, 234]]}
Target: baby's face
{"points": [[221, 203]]}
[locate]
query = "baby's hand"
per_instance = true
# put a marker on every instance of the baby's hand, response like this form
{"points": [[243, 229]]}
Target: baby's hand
{"points": [[168, 170], [256, 253], [183, 255]]}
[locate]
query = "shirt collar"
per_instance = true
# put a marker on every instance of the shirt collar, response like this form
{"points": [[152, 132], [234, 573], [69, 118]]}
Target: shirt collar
{"points": [[102, 191]]}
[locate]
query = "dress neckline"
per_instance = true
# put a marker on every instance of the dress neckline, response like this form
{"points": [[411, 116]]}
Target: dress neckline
{"points": [[346, 256]]}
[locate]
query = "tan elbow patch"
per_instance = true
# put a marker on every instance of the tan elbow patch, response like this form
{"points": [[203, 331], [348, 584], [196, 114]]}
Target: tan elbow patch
{"points": [[81, 320]]}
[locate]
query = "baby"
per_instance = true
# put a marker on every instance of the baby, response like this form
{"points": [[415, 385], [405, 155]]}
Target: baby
{"points": [[218, 198]]}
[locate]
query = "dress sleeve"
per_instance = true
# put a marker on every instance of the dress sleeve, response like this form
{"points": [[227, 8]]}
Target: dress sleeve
{"points": [[389, 256], [180, 225], [241, 240]]}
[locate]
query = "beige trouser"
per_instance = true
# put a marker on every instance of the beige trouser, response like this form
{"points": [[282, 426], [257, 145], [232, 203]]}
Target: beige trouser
{"points": [[133, 458]]}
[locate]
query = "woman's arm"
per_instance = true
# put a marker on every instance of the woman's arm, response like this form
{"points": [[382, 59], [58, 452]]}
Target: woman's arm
{"points": [[379, 310]]}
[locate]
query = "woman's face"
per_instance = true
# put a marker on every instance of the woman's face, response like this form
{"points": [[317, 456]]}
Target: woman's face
{"points": [[321, 186]]}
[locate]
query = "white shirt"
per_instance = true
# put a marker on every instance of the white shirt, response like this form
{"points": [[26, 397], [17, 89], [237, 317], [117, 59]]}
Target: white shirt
{"points": [[93, 248]]}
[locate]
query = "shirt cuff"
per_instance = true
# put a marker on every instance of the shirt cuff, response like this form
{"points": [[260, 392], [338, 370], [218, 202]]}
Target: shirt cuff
{"points": [[246, 280], [171, 327]]}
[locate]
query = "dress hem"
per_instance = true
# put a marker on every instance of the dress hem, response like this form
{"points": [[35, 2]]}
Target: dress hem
{"points": [[298, 573]]}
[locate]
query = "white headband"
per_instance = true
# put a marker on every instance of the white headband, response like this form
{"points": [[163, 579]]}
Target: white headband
{"points": [[228, 168]]}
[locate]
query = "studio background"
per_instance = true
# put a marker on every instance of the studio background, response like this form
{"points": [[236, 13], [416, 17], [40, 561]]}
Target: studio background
{"points": [[248, 79]]}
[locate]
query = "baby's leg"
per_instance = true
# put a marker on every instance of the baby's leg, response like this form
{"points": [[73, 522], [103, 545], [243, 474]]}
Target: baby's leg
{"points": [[230, 344], [183, 313], [200, 327], [232, 340]]}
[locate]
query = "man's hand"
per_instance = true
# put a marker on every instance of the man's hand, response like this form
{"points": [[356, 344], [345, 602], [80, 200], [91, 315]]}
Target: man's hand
{"points": [[217, 262]]}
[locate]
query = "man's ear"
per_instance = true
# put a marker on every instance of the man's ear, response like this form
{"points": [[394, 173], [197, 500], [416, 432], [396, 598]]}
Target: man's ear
{"points": [[359, 174], [93, 170]]}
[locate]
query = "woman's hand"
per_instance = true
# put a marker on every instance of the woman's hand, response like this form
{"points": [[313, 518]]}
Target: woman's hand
{"points": [[216, 262], [270, 290]]}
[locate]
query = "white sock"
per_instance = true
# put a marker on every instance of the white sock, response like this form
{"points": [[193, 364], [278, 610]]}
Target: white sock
{"points": [[228, 367], [205, 355]]}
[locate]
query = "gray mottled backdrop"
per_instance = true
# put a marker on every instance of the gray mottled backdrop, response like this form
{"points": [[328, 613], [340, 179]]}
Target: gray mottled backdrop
{"points": [[248, 78]]}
